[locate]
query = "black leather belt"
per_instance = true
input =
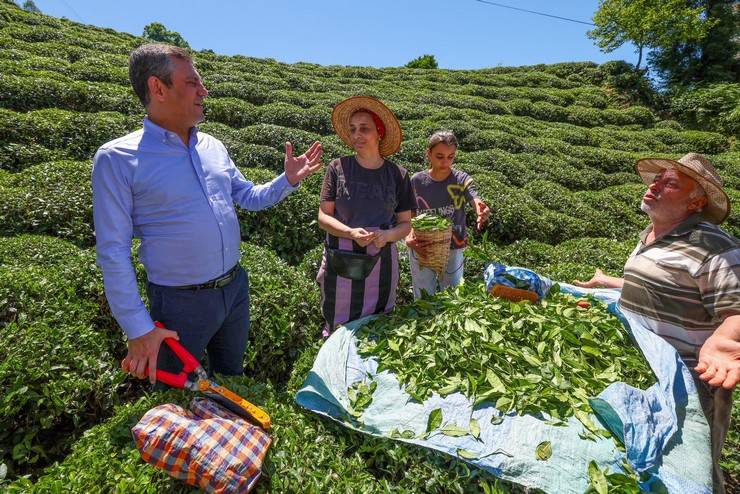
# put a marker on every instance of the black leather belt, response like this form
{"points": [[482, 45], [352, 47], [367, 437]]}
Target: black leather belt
{"points": [[219, 282]]}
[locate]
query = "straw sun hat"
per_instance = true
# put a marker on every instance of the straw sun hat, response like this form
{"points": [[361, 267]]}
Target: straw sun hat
{"points": [[390, 143], [700, 169]]}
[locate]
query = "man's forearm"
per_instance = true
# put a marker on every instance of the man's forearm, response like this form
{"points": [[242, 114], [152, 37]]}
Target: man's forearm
{"points": [[257, 197], [613, 282], [730, 328], [122, 293]]}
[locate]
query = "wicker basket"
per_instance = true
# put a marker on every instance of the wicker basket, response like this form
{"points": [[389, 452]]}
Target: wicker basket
{"points": [[437, 251]]}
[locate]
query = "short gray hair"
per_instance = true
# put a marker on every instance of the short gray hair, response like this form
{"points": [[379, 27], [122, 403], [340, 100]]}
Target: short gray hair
{"points": [[153, 59], [442, 137]]}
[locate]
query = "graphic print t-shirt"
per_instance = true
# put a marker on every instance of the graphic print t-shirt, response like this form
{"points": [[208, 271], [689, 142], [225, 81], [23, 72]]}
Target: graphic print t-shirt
{"points": [[367, 198], [446, 198]]}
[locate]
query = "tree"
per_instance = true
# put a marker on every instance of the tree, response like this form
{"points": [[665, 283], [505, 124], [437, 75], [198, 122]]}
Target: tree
{"points": [[423, 62], [30, 6], [714, 58], [649, 24], [157, 32]]}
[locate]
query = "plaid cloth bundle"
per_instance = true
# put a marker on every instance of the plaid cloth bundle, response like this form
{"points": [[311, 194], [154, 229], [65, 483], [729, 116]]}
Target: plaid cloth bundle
{"points": [[208, 446]]}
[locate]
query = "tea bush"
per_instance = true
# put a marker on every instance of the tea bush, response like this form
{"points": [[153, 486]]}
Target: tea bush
{"points": [[284, 314], [51, 198], [52, 307], [551, 148]]}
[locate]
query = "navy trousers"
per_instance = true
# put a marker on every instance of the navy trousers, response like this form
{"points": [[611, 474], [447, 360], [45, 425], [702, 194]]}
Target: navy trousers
{"points": [[212, 321]]}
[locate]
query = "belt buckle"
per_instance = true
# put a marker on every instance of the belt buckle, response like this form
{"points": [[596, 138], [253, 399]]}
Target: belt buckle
{"points": [[223, 281]]}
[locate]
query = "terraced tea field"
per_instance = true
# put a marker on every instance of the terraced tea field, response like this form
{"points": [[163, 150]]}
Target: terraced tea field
{"points": [[552, 149]]}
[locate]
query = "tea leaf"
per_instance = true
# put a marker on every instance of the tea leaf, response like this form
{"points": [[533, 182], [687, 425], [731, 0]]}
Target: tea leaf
{"points": [[475, 428], [467, 455], [597, 478], [454, 431], [434, 420], [544, 450]]}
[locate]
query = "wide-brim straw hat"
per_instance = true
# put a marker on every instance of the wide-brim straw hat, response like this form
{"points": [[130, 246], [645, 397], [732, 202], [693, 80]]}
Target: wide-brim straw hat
{"points": [[700, 169], [390, 143]]}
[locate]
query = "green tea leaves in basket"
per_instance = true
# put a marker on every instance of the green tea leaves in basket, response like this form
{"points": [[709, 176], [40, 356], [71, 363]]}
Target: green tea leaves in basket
{"points": [[428, 223]]}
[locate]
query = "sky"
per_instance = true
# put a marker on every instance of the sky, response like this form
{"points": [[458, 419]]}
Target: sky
{"points": [[461, 34]]}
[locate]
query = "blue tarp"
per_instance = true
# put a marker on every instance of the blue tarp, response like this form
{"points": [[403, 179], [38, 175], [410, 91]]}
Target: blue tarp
{"points": [[663, 428]]}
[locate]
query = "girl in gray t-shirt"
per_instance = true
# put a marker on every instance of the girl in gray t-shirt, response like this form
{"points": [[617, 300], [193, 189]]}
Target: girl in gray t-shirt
{"points": [[443, 191]]}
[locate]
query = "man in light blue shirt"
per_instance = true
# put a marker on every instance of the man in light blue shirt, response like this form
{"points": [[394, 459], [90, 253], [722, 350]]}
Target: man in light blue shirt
{"points": [[174, 188]]}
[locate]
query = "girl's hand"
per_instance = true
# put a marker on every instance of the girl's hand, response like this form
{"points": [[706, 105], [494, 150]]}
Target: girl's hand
{"points": [[483, 211], [361, 236], [415, 244], [410, 240]]}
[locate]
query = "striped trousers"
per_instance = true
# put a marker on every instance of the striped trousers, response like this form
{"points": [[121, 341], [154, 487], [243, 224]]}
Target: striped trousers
{"points": [[344, 299]]}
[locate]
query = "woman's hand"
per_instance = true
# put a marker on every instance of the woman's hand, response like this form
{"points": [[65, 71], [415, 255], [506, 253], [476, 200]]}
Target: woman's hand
{"points": [[361, 236], [381, 238]]}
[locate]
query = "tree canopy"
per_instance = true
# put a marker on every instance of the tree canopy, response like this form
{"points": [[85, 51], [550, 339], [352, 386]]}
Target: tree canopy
{"points": [[423, 62], [714, 58], [158, 32], [30, 6], [689, 41], [649, 24]]}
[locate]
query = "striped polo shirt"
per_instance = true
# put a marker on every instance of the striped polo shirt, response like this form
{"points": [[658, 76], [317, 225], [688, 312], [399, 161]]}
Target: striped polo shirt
{"points": [[684, 284]]}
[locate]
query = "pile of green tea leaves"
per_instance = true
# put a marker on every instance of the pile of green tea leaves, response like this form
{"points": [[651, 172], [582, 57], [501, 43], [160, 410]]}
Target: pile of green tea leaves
{"points": [[546, 357], [426, 222]]}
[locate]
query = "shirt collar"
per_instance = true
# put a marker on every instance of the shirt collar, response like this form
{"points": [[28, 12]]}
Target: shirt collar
{"points": [[162, 134], [682, 228]]}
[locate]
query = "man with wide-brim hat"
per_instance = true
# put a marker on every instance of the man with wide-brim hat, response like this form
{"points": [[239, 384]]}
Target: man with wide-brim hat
{"points": [[366, 207], [683, 280]]}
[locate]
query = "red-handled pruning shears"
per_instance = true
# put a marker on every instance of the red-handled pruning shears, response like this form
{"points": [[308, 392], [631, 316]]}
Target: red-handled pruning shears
{"points": [[202, 383]]}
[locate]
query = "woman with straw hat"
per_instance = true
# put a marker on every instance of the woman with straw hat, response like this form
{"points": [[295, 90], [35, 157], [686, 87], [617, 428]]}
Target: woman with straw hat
{"points": [[366, 206]]}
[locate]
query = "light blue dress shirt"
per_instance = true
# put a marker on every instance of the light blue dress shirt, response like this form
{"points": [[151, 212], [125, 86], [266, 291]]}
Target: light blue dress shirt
{"points": [[179, 200]]}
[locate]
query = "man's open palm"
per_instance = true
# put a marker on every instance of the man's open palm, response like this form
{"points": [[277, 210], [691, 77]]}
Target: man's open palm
{"points": [[299, 167], [719, 361]]}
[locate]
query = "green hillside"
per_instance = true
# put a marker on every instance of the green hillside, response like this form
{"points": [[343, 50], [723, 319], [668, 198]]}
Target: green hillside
{"points": [[551, 147]]}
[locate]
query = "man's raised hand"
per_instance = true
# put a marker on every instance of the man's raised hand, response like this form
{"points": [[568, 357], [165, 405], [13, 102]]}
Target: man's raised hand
{"points": [[299, 167]]}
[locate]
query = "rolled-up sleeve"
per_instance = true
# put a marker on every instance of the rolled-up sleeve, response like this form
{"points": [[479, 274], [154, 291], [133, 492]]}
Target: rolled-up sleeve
{"points": [[112, 216]]}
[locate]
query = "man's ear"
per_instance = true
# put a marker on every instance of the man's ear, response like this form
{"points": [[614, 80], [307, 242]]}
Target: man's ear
{"points": [[156, 88], [697, 203]]}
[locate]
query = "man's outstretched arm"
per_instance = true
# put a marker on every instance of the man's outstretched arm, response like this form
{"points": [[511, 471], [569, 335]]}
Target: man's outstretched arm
{"points": [[600, 280]]}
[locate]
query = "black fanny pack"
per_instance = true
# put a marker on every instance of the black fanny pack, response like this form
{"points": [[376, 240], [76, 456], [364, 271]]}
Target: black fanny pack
{"points": [[353, 265]]}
